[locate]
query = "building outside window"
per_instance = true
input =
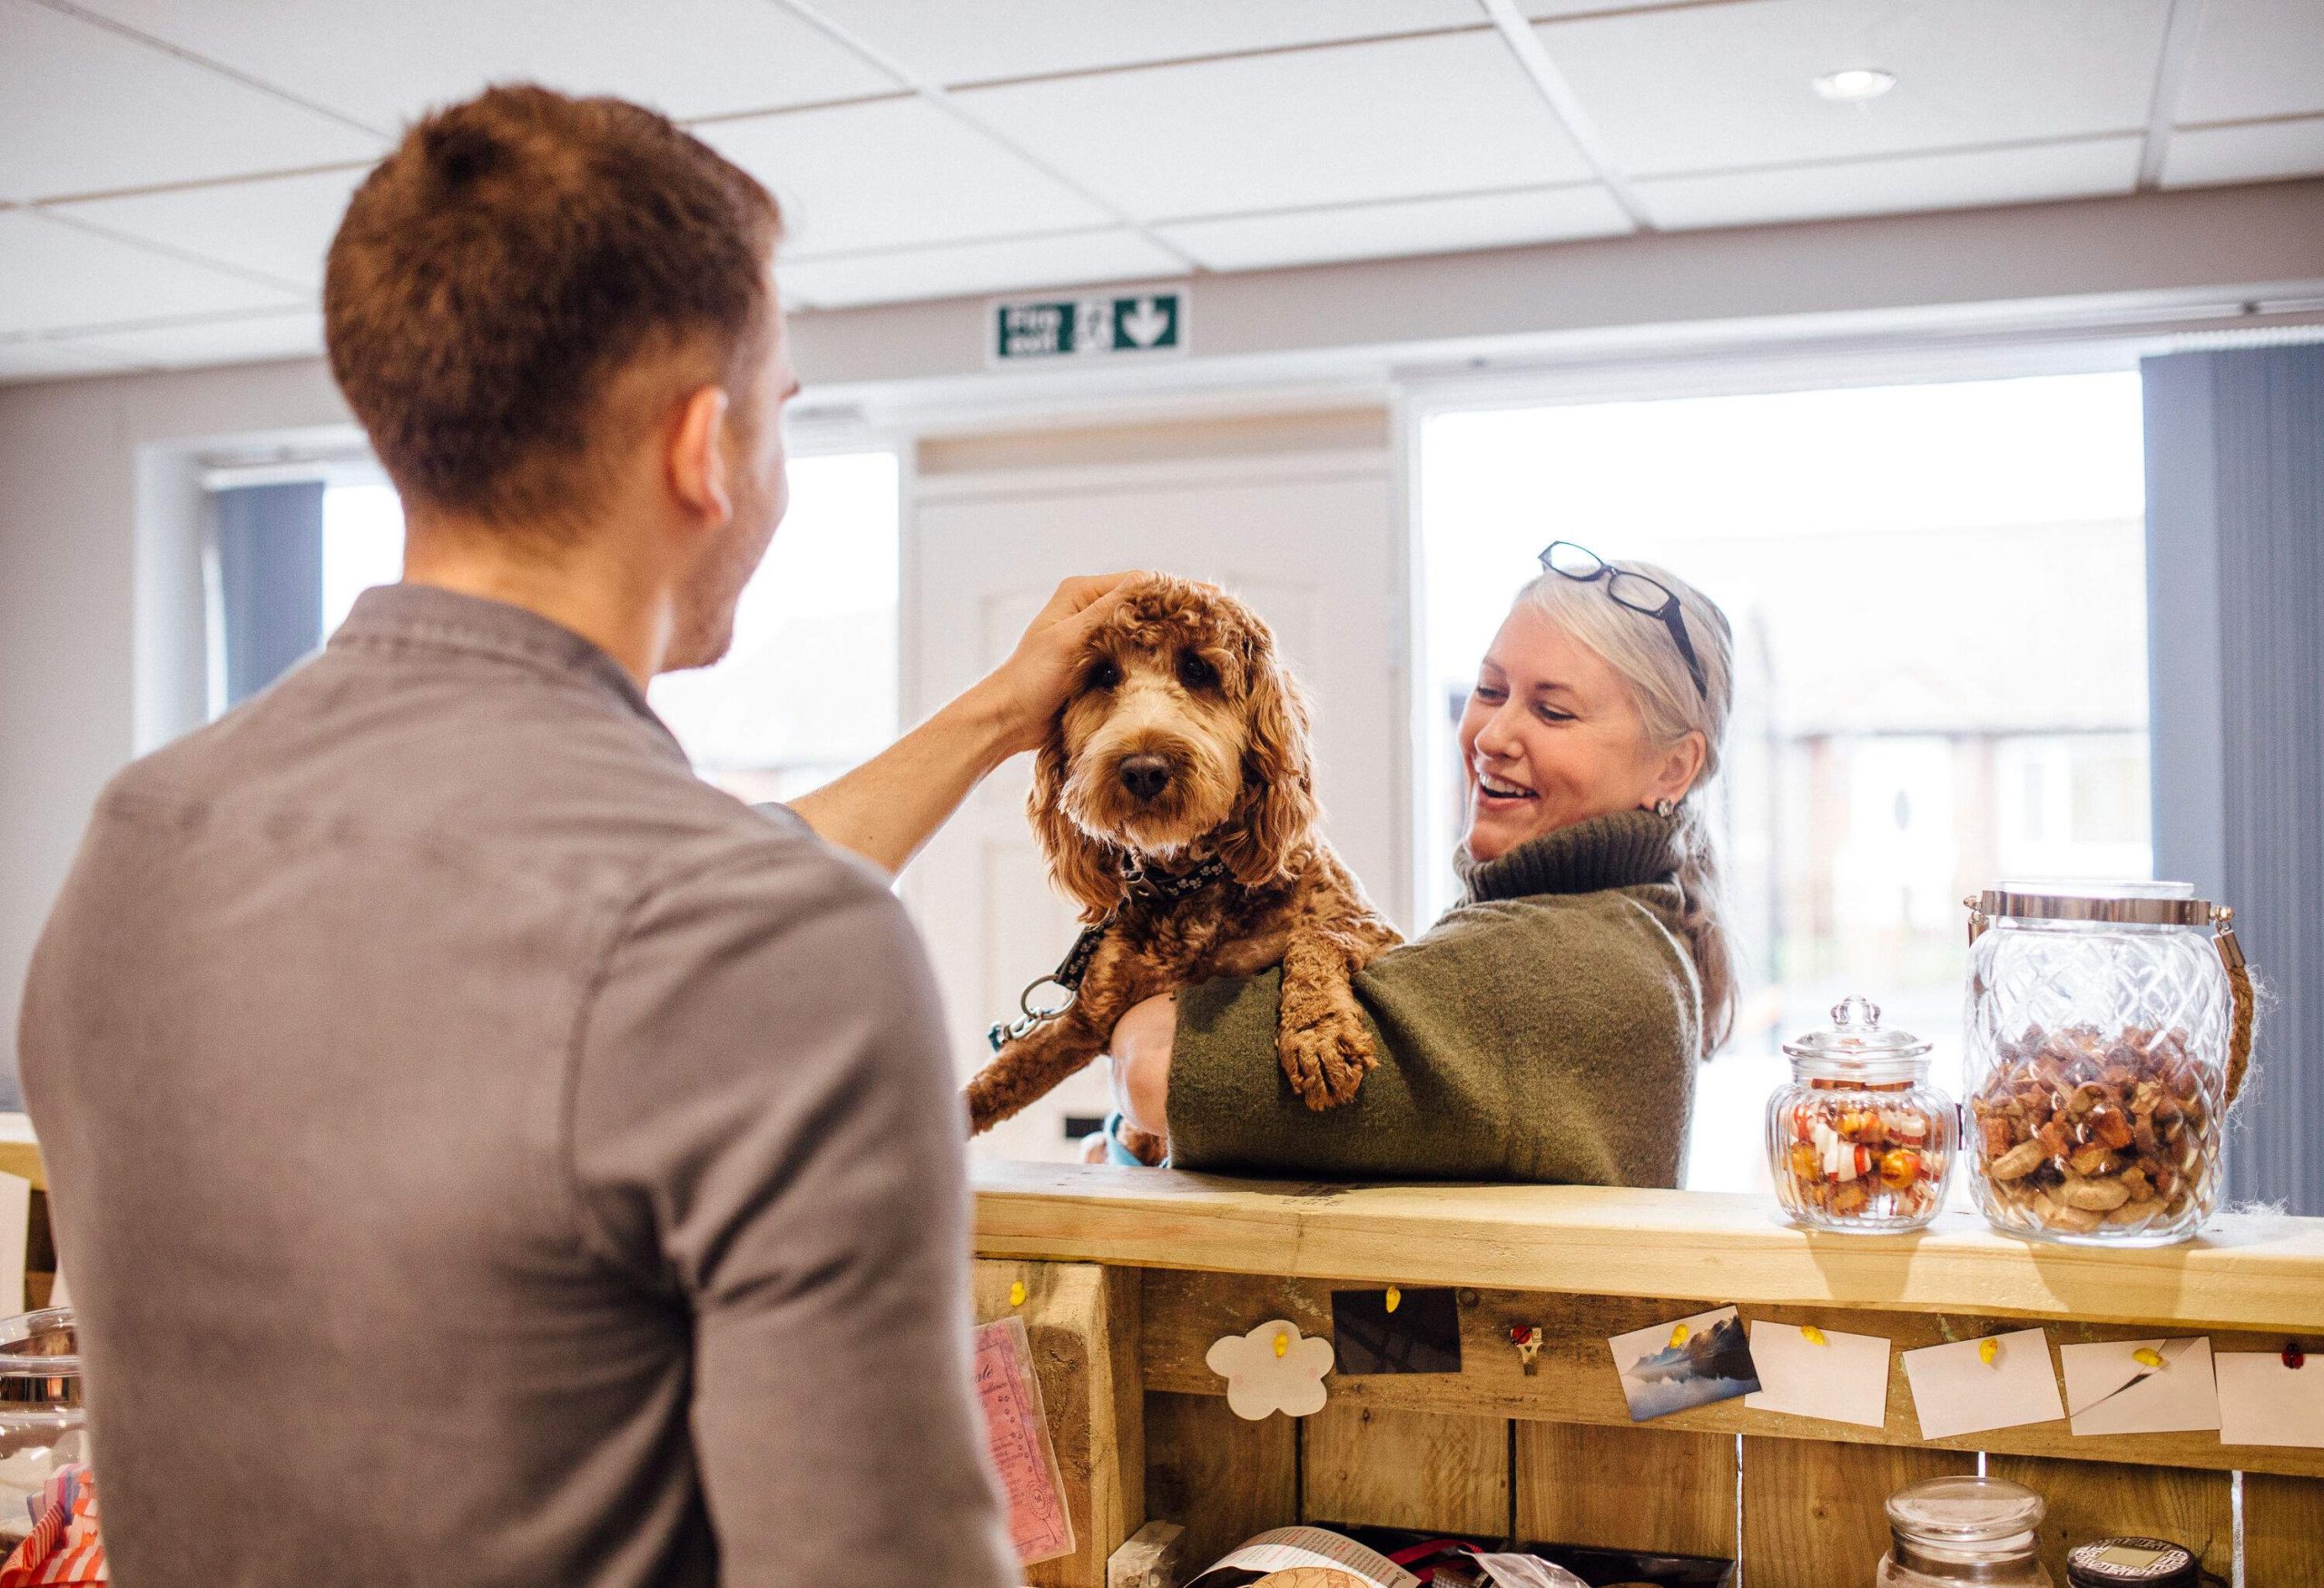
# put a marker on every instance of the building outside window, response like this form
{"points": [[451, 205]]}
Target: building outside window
{"points": [[808, 689], [1939, 604]]}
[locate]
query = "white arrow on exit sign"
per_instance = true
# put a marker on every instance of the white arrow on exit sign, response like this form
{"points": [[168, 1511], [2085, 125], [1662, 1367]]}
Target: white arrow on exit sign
{"points": [[1140, 323]]}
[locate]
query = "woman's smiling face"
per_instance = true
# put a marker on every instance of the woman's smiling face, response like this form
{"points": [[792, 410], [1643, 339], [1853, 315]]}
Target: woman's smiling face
{"points": [[1552, 736]]}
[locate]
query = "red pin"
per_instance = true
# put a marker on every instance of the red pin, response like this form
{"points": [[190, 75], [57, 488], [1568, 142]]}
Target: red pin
{"points": [[2294, 1358]]}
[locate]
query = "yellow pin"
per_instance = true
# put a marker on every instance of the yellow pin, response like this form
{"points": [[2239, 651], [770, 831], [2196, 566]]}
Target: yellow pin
{"points": [[1678, 1337], [1987, 1350], [1283, 1343], [1017, 1294], [1812, 1335], [2147, 1356], [1395, 1299]]}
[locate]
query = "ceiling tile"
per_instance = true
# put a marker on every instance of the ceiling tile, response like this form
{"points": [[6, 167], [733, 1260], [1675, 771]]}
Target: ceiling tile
{"points": [[2254, 58], [280, 226], [38, 360], [1347, 124], [385, 64], [963, 270], [1549, 8], [1957, 181], [893, 173], [54, 276], [84, 110], [2259, 152], [964, 41], [214, 341], [1410, 226], [1712, 87]]}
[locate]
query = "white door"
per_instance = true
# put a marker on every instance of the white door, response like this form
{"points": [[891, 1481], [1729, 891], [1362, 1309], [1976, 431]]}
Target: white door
{"points": [[1307, 540]]}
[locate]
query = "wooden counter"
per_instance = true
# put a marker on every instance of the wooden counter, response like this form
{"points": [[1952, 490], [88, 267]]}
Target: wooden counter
{"points": [[1128, 1275]]}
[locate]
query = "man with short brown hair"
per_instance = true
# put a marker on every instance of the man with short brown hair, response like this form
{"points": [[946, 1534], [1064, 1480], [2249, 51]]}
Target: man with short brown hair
{"points": [[484, 1153]]}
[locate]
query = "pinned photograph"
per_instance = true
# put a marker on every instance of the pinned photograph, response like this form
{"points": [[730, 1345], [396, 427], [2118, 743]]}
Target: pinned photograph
{"points": [[1689, 1363]]}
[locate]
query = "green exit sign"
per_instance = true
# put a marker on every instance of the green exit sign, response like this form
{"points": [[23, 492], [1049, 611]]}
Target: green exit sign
{"points": [[1129, 323]]}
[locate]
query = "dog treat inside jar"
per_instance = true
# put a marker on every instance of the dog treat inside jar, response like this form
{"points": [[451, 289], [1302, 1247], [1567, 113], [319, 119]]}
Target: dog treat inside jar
{"points": [[2107, 1034], [1859, 1143]]}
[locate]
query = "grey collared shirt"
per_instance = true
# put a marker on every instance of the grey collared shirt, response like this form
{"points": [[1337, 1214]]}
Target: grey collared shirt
{"points": [[485, 1154]]}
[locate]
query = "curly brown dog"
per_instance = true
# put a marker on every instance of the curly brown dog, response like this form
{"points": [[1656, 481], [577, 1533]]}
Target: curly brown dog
{"points": [[1176, 802]]}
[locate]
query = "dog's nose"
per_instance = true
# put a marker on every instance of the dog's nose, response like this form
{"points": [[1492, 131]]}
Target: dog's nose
{"points": [[1145, 775]]}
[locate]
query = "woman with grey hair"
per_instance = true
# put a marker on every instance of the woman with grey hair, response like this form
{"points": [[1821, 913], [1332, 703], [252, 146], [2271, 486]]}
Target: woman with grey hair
{"points": [[1548, 1028]]}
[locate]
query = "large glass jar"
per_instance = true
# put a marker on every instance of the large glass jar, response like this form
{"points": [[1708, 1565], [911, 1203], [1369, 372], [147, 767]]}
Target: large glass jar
{"points": [[2107, 1033], [1948, 1531], [1860, 1142], [42, 1425]]}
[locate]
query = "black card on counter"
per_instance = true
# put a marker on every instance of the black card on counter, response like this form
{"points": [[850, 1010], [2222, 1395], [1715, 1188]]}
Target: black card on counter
{"points": [[1421, 1335]]}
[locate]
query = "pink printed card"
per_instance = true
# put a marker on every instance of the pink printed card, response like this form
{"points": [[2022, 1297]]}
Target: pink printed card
{"points": [[1018, 1433]]}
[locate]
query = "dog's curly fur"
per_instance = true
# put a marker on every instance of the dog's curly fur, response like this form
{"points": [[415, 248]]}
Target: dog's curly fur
{"points": [[1185, 739]]}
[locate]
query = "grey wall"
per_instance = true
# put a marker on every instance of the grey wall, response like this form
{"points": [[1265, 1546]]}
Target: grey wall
{"points": [[2235, 514]]}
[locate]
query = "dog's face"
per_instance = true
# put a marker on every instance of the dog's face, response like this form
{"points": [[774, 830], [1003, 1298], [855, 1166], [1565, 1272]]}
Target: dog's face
{"points": [[1183, 737]]}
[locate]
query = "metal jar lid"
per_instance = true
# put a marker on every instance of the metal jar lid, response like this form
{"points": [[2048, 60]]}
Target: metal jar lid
{"points": [[2123, 903], [1854, 1038], [2133, 1562]]}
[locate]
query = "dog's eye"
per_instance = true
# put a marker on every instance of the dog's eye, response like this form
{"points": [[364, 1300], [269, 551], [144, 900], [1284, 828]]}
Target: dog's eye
{"points": [[1195, 673], [1103, 674]]}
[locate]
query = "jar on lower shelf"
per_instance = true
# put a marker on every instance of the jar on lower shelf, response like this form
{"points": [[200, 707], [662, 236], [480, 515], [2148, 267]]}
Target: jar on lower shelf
{"points": [[1951, 1530], [1860, 1142]]}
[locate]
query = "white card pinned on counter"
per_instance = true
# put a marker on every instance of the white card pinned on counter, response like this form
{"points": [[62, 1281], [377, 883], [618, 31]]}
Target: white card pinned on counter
{"points": [[1806, 1372], [2140, 1387], [1955, 1390], [2263, 1401], [16, 1230]]}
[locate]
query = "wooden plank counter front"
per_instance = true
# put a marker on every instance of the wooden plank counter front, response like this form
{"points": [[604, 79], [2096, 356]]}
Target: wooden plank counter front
{"points": [[1552, 1454]]}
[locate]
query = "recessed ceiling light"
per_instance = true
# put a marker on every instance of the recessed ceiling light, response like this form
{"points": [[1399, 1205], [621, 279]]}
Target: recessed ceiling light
{"points": [[1855, 83]]}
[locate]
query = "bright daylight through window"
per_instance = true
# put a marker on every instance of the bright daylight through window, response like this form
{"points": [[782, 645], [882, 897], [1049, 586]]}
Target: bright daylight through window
{"points": [[808, 687], [1918, 712]]}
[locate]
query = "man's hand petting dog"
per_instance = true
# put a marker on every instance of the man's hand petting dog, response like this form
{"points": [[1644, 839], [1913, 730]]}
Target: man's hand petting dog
{"points": [[1026, 691], [1174, 799]]}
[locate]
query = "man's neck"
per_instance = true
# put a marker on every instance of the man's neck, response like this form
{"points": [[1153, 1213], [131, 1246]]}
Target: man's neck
{"points": [[592, 596]]}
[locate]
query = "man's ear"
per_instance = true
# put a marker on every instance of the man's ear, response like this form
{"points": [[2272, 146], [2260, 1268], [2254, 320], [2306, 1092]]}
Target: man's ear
{"points": [[697, 461]]}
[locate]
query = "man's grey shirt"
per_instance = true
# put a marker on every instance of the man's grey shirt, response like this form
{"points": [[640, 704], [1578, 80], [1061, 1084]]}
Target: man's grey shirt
{"points": [[484, 1153]]}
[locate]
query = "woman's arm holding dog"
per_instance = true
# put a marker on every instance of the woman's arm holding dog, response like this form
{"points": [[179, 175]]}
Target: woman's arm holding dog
{"points": [[890, 806]]}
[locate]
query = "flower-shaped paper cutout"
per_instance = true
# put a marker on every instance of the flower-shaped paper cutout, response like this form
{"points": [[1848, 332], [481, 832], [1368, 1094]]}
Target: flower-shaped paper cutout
{"points": [[1273, 1368]]}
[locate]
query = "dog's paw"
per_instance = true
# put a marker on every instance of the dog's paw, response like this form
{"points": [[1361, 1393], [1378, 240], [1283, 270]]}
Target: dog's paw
{"points": [[1326, 1059]]}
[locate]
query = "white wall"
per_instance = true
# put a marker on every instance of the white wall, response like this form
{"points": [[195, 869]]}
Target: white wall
{"points": [[101, 629]]}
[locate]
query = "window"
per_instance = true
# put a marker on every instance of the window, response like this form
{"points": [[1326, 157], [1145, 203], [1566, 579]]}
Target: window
{"points": [[1939, 604], [808, 688]]}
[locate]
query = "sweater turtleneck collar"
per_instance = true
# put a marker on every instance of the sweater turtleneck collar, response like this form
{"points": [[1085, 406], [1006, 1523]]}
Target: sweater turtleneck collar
{"points": [[1621, 851]]}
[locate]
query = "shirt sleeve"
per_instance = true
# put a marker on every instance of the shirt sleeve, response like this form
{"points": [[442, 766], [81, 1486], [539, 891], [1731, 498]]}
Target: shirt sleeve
{"points": [[766, 1127]]}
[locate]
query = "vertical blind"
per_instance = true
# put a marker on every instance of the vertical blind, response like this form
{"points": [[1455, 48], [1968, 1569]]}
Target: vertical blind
{"points": [[2235, 536]]}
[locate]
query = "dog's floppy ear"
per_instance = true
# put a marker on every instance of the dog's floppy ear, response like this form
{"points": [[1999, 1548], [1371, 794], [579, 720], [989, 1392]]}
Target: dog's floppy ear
{"points": [[1278, 799], [1079, 864]]}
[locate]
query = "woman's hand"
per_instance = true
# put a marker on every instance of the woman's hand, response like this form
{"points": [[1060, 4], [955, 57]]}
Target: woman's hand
{"points": [[1140, 1054], [1024, 693]]}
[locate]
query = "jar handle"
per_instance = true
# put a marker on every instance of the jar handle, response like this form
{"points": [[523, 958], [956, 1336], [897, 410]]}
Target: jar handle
{"points": [[2238, 987]]}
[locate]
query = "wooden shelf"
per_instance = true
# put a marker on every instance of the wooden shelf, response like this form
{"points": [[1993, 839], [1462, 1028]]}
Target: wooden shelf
{"points": [[2248, 1272]]}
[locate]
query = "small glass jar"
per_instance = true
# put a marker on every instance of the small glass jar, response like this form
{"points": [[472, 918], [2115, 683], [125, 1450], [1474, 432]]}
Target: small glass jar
{"points": [[42, 1425], [2108, 1029], [1860, 1142], [1948, 1531]]}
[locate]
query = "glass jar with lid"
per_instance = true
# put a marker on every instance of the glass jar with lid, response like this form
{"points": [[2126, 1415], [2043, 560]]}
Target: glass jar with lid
{"points": [[42, 1425], [1966, 1529], [1860, 1141], [2108, 1031]]}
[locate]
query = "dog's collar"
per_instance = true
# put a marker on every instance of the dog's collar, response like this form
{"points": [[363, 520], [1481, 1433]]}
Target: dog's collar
{"points": [[1138, 882], [1143, 881]]}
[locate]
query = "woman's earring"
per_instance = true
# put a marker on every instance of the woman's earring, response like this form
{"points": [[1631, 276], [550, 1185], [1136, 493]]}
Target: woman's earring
{"points": [[1665, 808]]}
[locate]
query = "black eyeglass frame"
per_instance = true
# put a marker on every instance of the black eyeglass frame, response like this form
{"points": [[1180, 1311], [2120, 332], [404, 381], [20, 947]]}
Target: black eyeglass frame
{"points": [[1667, 611]]}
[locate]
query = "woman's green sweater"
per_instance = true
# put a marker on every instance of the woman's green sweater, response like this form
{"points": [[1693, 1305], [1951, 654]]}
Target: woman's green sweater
{"points": [[1547, 1029]]}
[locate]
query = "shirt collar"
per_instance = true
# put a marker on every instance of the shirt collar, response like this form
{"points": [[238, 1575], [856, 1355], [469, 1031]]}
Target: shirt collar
{"points": [[428, 618]]}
